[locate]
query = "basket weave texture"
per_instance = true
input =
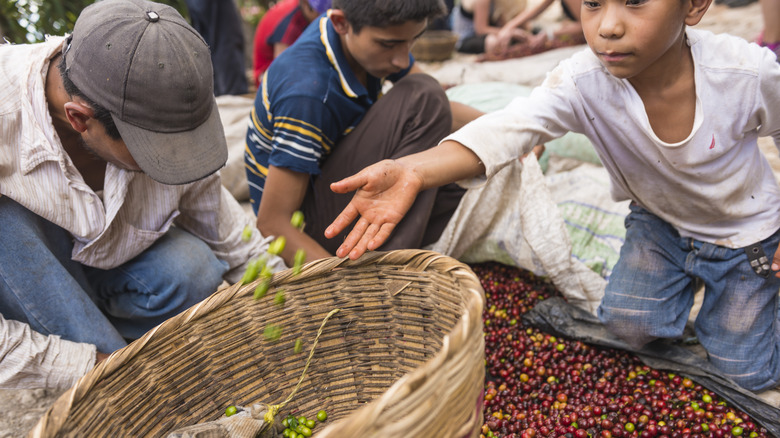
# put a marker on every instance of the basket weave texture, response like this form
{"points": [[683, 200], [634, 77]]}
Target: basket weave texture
{"points": [[404, 357], [435, 45]]}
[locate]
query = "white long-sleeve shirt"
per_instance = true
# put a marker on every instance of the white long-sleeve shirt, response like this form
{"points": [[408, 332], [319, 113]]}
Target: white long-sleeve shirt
{"points": [[29, 359], [135, 210], [715, 186], [132, 214]]}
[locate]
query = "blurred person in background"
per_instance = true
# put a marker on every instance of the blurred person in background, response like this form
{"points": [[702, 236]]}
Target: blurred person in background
{"points": [[568, 29], [770, 35], [219, 23], [280, 27]]}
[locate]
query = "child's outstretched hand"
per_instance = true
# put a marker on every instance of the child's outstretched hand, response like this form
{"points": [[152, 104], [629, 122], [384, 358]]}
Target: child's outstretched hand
{"points": [[384, 192]]}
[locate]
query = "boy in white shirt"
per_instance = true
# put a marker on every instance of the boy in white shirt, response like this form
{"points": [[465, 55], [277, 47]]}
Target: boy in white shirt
{"points": [[674, 115]]}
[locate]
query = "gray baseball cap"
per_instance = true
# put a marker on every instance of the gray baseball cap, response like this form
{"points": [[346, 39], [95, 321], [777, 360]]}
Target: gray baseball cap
{"points": [[152, 71]]}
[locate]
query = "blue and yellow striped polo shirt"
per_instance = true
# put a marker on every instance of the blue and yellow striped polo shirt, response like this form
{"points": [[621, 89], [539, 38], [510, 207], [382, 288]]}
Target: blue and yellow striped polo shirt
{"points": [[309, 98]]}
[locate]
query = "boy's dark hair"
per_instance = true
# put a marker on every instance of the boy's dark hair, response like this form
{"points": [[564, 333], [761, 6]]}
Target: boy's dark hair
{"points": [[384, 13], [101, 114]]}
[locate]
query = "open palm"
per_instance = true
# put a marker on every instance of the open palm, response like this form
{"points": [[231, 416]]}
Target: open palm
{"points": [[384, 192]]}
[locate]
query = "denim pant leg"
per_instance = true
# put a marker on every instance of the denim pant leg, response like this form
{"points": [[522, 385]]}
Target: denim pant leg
{"points": [[40, 285], [738, 320], [649, 295], [176, 272]]}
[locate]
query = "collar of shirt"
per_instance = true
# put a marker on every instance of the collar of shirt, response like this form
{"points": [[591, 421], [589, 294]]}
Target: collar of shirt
{"points": [[349, 82], [33, 147], [332, 43]]}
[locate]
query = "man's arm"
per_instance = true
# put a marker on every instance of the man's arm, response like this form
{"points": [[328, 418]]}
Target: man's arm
{"points": [[523, 18], [282, 195], [385, 191], [211, 213], [29, 359], [482, 18], [508, 30]]}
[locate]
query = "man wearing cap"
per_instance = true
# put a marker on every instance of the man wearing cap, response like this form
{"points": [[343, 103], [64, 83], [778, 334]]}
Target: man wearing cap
{"points": [[112, 216]]}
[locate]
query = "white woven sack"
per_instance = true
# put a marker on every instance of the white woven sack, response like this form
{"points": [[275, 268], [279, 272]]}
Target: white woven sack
{"points": [[514, 215]]}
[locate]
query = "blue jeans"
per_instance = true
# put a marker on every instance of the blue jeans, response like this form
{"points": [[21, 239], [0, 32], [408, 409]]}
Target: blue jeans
{"points": [[41, 286], [652, 287]]}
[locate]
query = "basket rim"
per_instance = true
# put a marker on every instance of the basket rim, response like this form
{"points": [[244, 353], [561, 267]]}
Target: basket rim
{"points": [[56, 416]]}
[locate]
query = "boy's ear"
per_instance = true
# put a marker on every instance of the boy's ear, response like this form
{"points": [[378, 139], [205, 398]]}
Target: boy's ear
{"points": [[78, 115], [339, 21], [696, 10]]}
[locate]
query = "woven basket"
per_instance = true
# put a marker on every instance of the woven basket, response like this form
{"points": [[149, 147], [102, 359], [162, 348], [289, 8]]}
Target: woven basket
{"points": [[435, 45], [404, 357]]}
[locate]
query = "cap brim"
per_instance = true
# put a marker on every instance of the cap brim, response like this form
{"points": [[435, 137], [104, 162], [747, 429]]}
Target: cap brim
{"points": [[178, 157]]}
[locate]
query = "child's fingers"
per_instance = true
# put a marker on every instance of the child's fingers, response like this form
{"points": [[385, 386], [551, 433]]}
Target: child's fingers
{"points": [[776, 263], [353, 238], [381, 236], [342, 221], [362, 244], [349, 184]]}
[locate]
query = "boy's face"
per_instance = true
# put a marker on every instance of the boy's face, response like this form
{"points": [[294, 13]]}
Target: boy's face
{"points": [[631, 36], [378, 51]]}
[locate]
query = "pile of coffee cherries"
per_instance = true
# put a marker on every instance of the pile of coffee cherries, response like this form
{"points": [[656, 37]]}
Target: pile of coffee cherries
{"points": [[301, 427], [542, 386]]}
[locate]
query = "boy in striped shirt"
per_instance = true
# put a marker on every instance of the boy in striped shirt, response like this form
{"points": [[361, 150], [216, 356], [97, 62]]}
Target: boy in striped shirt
{"points": [[320, 115]]}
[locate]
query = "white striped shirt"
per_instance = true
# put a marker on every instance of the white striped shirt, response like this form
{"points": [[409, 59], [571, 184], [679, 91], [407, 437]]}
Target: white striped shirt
{"points": [[135, 210], [32, 360]]}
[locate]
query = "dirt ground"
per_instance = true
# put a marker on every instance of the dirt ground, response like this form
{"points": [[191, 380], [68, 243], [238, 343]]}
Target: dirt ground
{"points": [[21, 409]]}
